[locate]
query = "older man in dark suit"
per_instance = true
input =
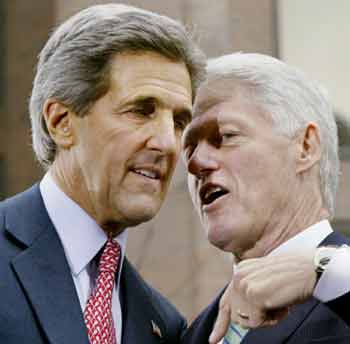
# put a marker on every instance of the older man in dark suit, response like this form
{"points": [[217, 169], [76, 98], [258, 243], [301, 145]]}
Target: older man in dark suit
{"points": [[112, 95], [262, 158]]}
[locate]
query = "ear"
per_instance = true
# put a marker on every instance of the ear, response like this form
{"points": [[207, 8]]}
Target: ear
{"points": [[59, 123], [309, 143]]}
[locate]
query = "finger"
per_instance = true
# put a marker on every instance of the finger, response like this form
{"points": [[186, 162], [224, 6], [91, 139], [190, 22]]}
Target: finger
{"points": [[269, 288], [245, 267], [248, 266], [256, 319], [274, 316], [278, 314], [221, 325], [268, 322]]}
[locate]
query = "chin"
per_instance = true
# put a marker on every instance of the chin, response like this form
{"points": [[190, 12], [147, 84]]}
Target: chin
{"points": [[218, 238], [140, 214]]}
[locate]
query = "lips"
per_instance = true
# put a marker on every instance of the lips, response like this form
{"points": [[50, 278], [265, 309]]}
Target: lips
{"points": [[152, 172], [149, 173], [150, 164], [210, 192]]}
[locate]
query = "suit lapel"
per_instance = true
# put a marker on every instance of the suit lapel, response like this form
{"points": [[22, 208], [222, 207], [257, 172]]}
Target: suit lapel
{"points": [[277, 334], [335, 239], [201, 328], [281, 332], [43, 271], [138, 310]]}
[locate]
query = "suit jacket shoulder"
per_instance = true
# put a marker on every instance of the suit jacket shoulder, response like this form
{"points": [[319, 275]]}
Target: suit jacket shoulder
{"points": [[39, 303]]}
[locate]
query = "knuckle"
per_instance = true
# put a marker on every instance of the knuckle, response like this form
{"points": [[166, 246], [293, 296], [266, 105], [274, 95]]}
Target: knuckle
{"points": [[244, 285], [252, 292], [267, 303]]}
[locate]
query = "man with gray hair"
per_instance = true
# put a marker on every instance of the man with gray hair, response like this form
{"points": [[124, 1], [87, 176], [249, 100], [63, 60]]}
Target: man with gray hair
{"points": [[111, 97], [262, 160]]}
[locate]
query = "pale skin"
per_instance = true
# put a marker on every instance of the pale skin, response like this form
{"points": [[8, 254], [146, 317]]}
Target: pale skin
{"points": [[232, 144]]}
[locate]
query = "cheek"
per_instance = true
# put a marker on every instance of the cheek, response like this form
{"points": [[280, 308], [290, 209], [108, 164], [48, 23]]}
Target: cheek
{"points": [[175, 156], [251, 178], [251, 166]]}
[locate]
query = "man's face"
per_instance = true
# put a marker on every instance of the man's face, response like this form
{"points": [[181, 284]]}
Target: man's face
{"points": [[240, 171], [127, 146]]}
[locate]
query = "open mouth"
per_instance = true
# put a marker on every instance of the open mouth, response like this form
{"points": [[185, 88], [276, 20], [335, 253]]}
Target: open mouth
{"points": [[210, 193], [148, 173]]}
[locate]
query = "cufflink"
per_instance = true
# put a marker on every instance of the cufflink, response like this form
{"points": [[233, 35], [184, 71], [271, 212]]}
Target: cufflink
{"points": [[322, 257]]}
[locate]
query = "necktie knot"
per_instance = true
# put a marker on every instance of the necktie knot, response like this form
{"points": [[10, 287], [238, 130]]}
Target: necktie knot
{"points": [[110, 257]]}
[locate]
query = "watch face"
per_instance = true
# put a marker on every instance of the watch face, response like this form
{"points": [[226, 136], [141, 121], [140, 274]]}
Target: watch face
{"points": [[322, 257]]}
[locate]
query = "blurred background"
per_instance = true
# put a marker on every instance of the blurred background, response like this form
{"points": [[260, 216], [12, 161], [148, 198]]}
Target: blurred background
{"points": [[171, 251]]}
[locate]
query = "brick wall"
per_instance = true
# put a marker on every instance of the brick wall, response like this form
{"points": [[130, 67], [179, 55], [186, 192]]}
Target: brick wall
{"points": [[27, 27]]}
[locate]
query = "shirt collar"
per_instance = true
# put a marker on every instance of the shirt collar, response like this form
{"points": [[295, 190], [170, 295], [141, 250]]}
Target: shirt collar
{"points": [[306, 240], [79, 233]]}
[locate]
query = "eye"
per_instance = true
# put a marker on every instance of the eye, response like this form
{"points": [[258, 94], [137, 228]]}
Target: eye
{"points": [[180, 123], [228, 136], [145, 109], [181, 120]]}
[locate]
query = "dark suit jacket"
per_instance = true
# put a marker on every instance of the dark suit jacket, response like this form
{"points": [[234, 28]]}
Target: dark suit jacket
{"points": [[341, 306], [310, 322], [38, 300]]}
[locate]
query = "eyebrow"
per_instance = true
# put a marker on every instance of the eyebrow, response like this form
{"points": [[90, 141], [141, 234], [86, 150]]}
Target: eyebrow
{"points": [[185, 112], [140, 100]]}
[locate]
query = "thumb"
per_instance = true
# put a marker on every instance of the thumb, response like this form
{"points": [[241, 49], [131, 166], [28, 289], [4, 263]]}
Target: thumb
{"points": [[223, 319], [221, 325]]}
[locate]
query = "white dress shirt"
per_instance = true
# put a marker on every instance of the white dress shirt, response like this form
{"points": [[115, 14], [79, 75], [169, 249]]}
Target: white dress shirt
{"points": [[335, 280], [306, 240], [82, 238]]}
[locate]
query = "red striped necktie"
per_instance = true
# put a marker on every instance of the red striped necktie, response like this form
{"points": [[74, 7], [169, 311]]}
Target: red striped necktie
{"points": [[98, 311]]}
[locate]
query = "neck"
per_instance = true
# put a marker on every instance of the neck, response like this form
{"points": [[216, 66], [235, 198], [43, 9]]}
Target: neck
{"points": [[283, 227], [70, 180], [71, 183]]}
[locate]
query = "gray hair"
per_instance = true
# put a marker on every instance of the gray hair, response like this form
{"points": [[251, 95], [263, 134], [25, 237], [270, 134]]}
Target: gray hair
{"points": [[73, 66], [289, 98]]}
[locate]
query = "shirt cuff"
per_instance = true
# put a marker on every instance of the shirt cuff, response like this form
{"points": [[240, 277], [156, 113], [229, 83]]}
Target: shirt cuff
{"points": [[335, 280]]}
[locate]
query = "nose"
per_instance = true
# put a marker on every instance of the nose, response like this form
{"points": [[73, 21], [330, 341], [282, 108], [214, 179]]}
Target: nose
{"points": [[164, 137], [202, 161]]}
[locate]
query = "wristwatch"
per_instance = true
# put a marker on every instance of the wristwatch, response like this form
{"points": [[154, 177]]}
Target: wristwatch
{"points": [[322, 257]]}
